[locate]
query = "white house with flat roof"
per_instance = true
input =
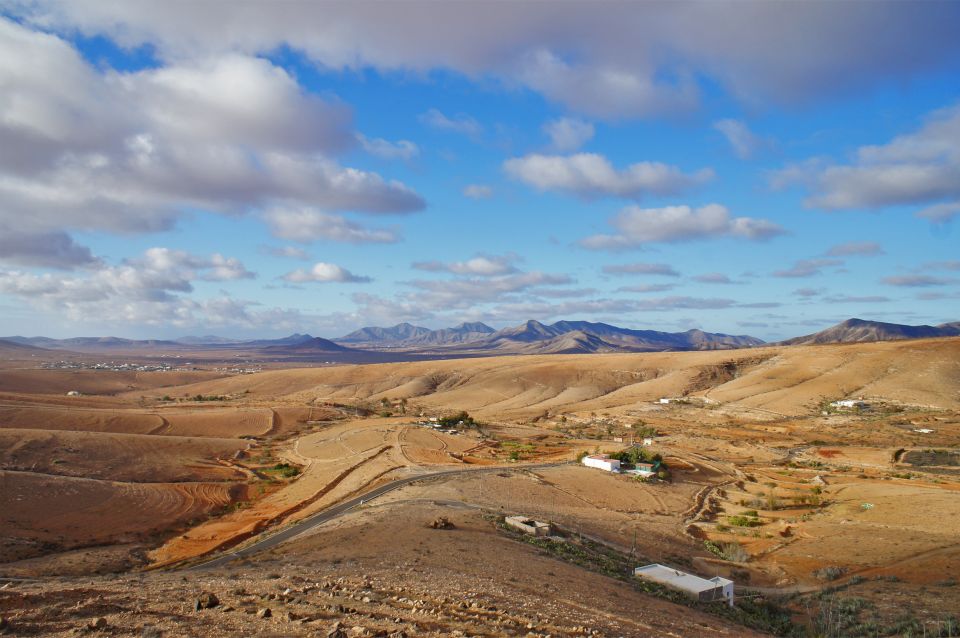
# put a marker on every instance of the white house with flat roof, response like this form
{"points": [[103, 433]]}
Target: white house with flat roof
{"points": [[702, 589], [602, 462]]}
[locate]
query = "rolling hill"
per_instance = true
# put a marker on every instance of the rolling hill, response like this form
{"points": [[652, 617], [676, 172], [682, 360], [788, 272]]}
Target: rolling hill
{"points": [[861, 330]]}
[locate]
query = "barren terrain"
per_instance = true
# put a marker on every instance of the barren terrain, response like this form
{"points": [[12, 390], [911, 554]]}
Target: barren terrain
{"points": [[770, 483]]}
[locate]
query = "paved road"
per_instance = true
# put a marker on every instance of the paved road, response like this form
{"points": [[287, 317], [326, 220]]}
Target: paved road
{"points": [[340, 509]]}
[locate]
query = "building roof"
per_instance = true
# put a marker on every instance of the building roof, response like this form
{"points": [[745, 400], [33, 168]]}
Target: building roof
{"points": [[678, 579]]}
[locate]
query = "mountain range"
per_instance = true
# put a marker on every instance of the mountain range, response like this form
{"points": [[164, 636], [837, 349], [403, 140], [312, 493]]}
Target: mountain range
{"points": [[406, 341], [861, 330]]}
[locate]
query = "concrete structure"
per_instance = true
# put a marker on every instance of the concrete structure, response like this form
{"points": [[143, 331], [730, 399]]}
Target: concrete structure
{"points": [[646, 469], [528, 525], [702, 589], [850, 404], [648, 441], [602, 462], [73, 393]]}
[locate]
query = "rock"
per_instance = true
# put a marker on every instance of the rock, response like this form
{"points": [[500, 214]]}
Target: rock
{"points": [[97, 624], [441, 523], [264, 613], [151, 632], [206, 600], [336, 631], [3, 623]]}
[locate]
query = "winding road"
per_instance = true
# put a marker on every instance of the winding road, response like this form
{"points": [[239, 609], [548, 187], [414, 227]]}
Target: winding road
{"points": [[269, 541]]}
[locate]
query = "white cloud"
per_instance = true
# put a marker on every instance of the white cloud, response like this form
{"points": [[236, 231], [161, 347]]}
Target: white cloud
{"points": [[918, 168], [741, 138], [478, 191], [460, 123], [568, 133], [308, 225], [591, 175], [623, 61], [323, 272], [855, 248], [637, 226], [641, 269], [401, 149], [467, 292], [481, 265], [148, 290], [91, 150]]}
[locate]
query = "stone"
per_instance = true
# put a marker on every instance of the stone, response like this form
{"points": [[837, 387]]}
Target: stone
{"points": [[97, 624], [264, 613], [206, 600]]}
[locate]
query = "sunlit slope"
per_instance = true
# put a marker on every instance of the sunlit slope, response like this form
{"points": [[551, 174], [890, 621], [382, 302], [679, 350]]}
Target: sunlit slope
{"points": [[784, 380]]}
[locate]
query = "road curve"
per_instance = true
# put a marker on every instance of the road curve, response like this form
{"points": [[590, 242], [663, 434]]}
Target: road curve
{"points": [[272, 540]]}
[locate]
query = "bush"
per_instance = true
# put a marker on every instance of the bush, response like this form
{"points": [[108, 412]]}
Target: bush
{"points": [[286, 470], [830, 573], [743, 521]]}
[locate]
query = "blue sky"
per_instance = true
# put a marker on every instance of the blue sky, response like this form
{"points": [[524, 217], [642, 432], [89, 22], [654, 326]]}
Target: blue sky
{"points": [[766, 169]]}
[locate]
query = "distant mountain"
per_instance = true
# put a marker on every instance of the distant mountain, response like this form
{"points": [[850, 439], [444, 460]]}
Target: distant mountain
{"points": [[585, 336], [407, 335], [293, 340], [304, 346], [10, 348], [861, 330], [91, 343], [211, 340]]}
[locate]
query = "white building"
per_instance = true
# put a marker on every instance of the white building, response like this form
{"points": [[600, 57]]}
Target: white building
{"points": [[849, 404], [602, 462], [702, 589]]}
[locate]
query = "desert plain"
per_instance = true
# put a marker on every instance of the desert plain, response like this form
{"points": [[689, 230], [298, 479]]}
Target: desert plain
{"points": [[317, 500]]}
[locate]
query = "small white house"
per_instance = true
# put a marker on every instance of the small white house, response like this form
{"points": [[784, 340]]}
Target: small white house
{"points": [[849, 404], [664, 401], [602, 462], [73, 393], [702, 589], [648, 441]]}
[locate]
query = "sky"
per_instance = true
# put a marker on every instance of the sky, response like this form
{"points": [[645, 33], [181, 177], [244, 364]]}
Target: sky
{"points": [[256, 169]]}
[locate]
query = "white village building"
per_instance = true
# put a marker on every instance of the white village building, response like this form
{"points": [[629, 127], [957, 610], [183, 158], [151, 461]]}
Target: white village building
{"points": [[702, 589], [602, 462]]}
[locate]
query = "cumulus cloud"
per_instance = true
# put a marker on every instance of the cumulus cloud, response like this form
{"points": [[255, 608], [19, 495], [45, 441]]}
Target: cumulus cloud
{"points": [[855, 248], [323, 272], [385, 149], [460, 123], [610, 63], [469, 291], [637, 226], [808, 268], [50, 250], [590, 175], [92, 150], [640, 268], [742, 140], [149, 290], [481, 265], [914, 169], [478, 191], [309, 225], [568, 133]]}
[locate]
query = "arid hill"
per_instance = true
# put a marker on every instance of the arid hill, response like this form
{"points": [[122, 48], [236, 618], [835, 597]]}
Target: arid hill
{"points": [[861, 331]]}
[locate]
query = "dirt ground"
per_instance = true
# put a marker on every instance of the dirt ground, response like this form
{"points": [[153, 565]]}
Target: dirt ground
{"points": [[769, 484]]}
